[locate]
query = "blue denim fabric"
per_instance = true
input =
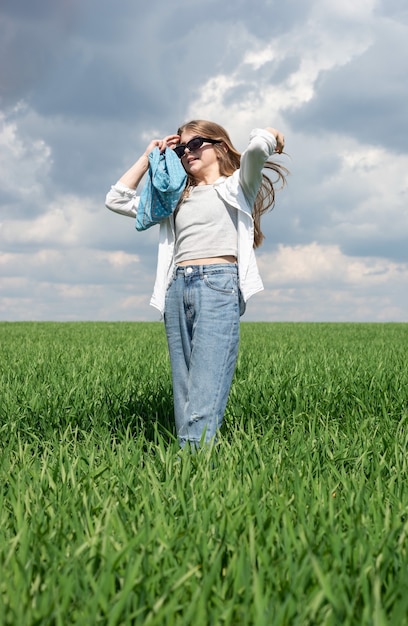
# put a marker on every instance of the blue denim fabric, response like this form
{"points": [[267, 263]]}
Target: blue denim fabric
{"points": [[202, 325]]}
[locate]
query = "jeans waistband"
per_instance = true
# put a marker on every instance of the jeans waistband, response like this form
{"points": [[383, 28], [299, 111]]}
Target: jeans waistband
{"points": [[200, 270]]}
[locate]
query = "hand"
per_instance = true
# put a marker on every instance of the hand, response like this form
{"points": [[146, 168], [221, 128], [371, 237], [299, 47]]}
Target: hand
{"points": [[280, 139], [170, 141]]}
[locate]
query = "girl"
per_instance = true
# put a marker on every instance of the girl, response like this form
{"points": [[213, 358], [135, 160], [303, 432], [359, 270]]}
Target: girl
{"points": [[206, 263]]}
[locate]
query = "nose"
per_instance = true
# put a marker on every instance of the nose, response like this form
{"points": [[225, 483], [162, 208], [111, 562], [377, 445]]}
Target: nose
{"points": [[187, 151]]}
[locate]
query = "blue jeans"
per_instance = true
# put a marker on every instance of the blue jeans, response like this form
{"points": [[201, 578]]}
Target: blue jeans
{"points": [[202, 311]]}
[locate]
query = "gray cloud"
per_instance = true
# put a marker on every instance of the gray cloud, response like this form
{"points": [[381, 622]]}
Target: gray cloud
{"points": [[86, 84], [33, 37], [365, 98]]}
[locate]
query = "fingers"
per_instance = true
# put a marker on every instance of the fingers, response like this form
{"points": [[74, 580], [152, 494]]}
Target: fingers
{"points": [[280, 142], [171, 141], [280, 139], [155, 143]]}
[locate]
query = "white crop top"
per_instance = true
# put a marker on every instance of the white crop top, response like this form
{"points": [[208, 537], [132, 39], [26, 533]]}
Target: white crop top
{"points": [[206, 226]]}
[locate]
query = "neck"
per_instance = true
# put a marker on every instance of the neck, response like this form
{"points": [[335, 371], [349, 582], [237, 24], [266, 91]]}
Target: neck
{"points": [[206, 179], [206, 175]]}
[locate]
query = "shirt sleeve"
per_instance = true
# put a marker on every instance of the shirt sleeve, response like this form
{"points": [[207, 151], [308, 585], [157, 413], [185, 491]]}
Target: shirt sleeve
{"points": [[122, 200], [261, 146]]}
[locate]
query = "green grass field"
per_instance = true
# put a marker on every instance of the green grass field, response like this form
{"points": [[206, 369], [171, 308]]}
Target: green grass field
{"points": [[298, 516]]}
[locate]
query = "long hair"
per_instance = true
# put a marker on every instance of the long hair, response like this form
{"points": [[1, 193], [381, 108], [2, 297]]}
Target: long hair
{"points": [[229, 161]]}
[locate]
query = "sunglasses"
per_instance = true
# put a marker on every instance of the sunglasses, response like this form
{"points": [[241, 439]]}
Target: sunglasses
{"points": [[193, 144]]}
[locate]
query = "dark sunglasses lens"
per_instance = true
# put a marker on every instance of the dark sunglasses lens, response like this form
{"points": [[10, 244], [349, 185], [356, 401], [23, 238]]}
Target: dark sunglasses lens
{"points": [[179, 150], [195, 143]]}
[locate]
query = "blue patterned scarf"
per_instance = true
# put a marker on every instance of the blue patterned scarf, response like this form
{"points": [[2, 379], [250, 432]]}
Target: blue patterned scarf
{"points": [[162, 190]]}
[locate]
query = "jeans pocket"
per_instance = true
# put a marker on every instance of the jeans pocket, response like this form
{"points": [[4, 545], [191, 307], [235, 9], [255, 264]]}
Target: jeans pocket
{"points": [[171, 281], [242, 304], [223, 283]]}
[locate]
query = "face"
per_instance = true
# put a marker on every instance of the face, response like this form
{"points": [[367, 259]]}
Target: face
{"points": [[202, 163]]}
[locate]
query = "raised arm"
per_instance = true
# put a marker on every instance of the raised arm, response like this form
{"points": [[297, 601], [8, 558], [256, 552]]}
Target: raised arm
{"points": [[132, 177], [121, 198], [263, 143]]}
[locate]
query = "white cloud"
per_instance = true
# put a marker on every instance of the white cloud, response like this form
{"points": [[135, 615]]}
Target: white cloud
{"points": [[355, 10], [65, 222], [335, 247], [316, 282], [23, 163], [379, 180], [314, 263], [73, 284], [320, 45]]}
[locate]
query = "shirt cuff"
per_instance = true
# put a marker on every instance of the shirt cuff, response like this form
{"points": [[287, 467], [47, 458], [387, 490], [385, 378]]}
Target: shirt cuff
{"points": [[264, 134], [123, 189]]}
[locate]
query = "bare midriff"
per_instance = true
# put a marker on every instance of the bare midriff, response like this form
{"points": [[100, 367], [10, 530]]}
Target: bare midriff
{"points": [[210, 261]]}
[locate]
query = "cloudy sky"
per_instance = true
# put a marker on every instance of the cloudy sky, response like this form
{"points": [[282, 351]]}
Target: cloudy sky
{"points": [[84, 86]]}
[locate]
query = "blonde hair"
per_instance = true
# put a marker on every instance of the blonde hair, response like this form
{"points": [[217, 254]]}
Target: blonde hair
{"points": [[229, 162]]}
